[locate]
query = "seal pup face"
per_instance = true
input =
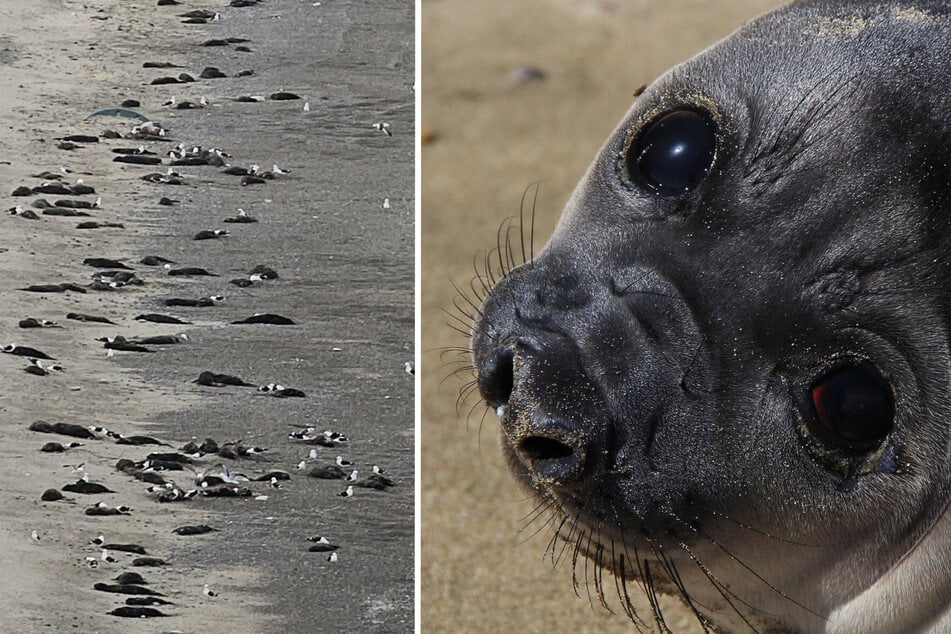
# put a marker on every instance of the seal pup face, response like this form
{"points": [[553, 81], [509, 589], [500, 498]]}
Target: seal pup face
{"points": [[726, 376]]}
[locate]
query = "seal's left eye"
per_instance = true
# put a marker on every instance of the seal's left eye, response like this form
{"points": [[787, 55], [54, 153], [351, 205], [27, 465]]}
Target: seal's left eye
{"points": [[853, 407], [672, 153]]}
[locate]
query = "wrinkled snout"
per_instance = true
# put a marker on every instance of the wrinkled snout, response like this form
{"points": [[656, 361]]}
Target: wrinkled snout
{"points": [[579, 365]]}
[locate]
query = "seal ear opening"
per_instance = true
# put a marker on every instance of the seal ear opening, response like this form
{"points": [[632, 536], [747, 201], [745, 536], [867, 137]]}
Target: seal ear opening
{"points": [[672, 153]]}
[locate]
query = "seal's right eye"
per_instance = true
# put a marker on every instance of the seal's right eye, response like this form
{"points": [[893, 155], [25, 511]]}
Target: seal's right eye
{"points": [[673, 152], [852, 406]]}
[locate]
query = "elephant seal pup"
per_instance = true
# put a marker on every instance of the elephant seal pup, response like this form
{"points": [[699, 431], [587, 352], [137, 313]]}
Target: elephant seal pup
{"points": [[727, 374]]}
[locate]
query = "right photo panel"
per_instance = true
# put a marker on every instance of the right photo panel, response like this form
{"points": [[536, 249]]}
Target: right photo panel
{"points": [[663, 388]]}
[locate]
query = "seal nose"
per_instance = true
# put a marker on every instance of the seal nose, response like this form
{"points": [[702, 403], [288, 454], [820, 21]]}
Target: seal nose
{"points": [[497, 377], [554, 449]]}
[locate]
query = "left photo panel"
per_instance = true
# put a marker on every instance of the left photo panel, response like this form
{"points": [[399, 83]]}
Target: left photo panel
{"points": [[207, 315]]}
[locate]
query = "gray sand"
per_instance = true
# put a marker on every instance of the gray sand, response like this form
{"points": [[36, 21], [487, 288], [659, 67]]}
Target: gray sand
{"points": [[492, 140], [346, 271]]}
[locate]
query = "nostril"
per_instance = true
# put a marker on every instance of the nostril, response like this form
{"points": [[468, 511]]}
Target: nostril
{"points": [[553, 451], [497, 378], [542, 448]]}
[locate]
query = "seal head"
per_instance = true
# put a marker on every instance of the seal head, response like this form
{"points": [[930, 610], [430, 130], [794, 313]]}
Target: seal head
{"points": [[727, 374]]}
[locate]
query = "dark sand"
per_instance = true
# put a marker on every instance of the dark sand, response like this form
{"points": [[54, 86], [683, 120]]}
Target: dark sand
{"points": [[493, 139], [346, 270]]}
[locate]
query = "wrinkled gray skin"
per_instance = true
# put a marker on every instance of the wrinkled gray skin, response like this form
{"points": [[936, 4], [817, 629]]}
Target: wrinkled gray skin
{"points": [[650, 366]]}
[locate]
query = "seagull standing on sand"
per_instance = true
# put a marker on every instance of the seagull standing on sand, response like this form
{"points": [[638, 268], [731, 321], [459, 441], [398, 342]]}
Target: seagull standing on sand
{"points": [[208, 592]]}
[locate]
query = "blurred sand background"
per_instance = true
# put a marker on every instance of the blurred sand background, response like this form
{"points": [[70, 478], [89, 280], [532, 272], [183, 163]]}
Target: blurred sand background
{"points": [[487, 139]]}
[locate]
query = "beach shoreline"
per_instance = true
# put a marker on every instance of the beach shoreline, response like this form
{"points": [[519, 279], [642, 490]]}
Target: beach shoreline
{"points": [[343, 278]]}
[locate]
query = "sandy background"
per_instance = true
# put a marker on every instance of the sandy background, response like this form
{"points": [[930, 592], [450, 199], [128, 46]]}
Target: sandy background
{"points": [[491, 139], [346, 271]]}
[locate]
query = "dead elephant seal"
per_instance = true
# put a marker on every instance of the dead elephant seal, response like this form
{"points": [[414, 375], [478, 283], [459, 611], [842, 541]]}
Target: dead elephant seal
{"points": [[727, 374]]}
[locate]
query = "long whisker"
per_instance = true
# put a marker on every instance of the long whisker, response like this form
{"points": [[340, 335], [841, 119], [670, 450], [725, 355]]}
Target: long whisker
{"points": [[749, 569], [723, 591]]}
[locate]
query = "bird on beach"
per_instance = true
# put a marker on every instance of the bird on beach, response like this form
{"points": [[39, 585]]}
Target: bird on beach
{"points": [[210, 234], [348, 493], [35, 536], [32, 322], [23, 213], [208, 592], [383, 127], [37, 368], [321, 544], [241, 217], [343, 462]]}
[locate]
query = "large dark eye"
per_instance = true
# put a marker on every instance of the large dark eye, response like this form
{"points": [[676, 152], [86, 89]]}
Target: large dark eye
{"points": [[853, 407], [673, 153]]}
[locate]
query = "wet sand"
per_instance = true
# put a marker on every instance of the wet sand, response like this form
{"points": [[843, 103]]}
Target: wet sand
{"points": [[491, 140], [346, 278]]}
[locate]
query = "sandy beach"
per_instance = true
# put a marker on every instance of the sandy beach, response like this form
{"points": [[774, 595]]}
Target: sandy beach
{"points": [[492, 139], [345, 269]]}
